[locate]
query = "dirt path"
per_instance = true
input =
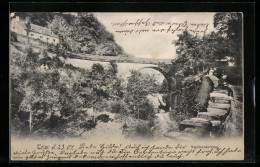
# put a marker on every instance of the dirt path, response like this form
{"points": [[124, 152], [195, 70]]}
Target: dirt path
{"points": [[163, 124], [105, 130]]}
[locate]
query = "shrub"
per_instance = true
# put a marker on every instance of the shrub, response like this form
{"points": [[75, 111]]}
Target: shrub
{"points": [[13, 37], [101, 104], [32, 56], [61, 53], [90, 124], [234, 74], [143, 129], [179, 116], [188, 71], [164, 87], [103, 118], [146, 110], [118, 107], [88, 49], [97, 68]]}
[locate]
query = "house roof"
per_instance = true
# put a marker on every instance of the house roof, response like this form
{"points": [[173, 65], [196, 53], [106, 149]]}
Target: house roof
{"points": [[38, 29]]}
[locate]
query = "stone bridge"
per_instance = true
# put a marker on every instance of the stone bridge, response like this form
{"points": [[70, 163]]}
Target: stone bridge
{"points": [[171, 81]]}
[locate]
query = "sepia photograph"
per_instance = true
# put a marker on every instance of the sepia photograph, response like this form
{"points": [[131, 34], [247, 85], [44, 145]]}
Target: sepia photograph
{"points": [[126, 86]]}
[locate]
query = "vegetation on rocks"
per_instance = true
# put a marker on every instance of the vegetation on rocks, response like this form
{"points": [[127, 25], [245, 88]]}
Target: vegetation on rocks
{"points": [[196, 55]]}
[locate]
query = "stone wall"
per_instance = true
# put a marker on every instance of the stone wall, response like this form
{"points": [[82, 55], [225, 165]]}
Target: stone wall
{"points": [[211, 122], [191, 97]]}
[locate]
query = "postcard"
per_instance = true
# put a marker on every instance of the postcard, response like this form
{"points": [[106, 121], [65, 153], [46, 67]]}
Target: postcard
{"points": [[126, 86]]}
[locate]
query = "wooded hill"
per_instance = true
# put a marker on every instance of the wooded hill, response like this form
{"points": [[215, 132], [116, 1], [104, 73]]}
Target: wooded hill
{"points": [[81, 33]]}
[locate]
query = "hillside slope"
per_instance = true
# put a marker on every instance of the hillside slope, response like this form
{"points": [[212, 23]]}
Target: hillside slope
{"points": [[81, 33]]}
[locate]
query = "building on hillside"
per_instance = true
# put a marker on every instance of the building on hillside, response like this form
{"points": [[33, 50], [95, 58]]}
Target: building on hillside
{"points": [[36, 32]]}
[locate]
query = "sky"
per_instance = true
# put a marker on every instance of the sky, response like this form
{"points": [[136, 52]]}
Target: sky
{"points": [[152, 44]]}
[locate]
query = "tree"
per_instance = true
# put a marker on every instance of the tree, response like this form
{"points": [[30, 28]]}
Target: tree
{"points": [[46, 97], [60, 27], [190, 49], [195, 55], [97, 69], [229, 25], [113, 68], [81, 33], [195, 52], [38, 18], [28, 29], [138, 87]]}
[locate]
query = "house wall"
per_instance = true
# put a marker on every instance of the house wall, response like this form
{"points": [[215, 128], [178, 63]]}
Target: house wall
{"points": [[15, 27], [44, 38]]}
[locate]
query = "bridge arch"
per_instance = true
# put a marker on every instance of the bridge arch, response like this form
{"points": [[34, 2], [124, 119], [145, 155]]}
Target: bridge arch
{"points": [[171, 81]]}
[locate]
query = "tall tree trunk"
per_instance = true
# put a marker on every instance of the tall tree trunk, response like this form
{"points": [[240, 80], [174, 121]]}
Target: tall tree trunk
{"points": [[172, 105], [28, 41], [207, 69], [94, 116], [30, 121], [138, 113]]}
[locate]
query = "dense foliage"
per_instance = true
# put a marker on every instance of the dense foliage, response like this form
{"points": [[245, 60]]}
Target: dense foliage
{"points": [[81, 33], [51, 97], [196, 55], [229, 25], [138, 87], [48, 94]]}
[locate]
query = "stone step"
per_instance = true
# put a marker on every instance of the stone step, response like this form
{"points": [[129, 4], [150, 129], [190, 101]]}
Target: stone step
{"points": [[219, 105], [224, 91], [220, 96], [216, 123], [214, 115], [196, 126], [221, 101], [209, 109], [195, 122]]}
